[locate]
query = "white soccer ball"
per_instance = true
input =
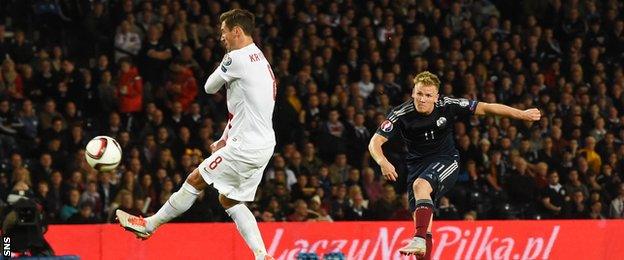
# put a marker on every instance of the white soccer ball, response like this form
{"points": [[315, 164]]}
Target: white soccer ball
{"points": [[103, 153]]}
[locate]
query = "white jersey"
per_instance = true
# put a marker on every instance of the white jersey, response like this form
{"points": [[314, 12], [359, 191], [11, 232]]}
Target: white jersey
{"points": [[251, 89]]}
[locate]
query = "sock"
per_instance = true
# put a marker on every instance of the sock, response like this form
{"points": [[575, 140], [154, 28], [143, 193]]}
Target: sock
{"points": [[429, 246], [248, 228], [178, 203], [424, 209]]}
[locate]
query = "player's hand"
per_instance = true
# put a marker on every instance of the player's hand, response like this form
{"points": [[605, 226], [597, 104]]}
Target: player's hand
{"points": [[217, 145], [388, 171], [532, 114]]}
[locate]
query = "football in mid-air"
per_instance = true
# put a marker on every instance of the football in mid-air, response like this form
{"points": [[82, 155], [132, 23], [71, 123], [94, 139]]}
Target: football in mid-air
{"points": [[103, 153]]}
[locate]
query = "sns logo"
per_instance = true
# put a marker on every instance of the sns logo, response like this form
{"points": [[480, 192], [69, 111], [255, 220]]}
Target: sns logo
{"points": [[387, 126], [6, 246]]}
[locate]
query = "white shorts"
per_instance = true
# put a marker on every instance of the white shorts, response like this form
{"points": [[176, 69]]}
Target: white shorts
{"points": [[236, 172]]}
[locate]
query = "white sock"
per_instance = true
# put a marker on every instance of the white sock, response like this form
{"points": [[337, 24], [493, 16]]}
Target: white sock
{"points": [[248, 228], [178, 203]]}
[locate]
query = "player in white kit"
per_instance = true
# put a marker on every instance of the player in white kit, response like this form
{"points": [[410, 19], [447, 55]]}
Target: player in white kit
{"points": [[239, 158]]}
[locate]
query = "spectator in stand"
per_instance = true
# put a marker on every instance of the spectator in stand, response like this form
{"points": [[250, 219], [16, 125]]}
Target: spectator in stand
{"points": [[71, 207], [358, 210], [127, 42], [339, 169], [125, 202], [129, 92], [181, 86], [578, 208], [339, 202], [84, 216], [11, 83], [446, 211], [554, 198], [153, 57], [301, 212], [590, 154], [595, 211], [384, 208], [302, 189], [616, 209], [310, 159], [22, 49], [575, 184]]}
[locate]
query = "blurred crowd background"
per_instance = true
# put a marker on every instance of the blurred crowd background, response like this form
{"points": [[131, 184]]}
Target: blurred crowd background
{"points": [[134, 70]]}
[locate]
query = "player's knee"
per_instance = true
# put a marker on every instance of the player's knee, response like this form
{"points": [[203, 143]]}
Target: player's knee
{"points": [[421, 186], [227, 202], [418, 185], [196, 180]]}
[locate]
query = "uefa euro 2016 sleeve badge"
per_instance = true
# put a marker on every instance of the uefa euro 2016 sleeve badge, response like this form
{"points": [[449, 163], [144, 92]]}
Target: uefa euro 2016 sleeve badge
{"points": [[387, 126], [227, 61]]}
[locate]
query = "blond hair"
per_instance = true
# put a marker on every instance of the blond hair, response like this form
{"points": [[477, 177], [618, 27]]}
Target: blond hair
{"points": [[17, 176], [427, 79]]}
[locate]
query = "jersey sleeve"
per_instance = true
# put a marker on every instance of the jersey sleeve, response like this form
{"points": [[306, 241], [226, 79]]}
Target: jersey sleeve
{"points": [[390, 126], [460, 106], [231, 67]]}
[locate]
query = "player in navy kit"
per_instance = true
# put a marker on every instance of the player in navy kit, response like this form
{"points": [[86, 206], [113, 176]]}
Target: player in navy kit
{"points": [[426, 126]]}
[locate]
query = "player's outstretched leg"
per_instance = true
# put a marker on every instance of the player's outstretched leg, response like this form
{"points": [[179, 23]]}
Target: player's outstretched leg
{"points": [[246, 225], [178, 203], [422, 218]]}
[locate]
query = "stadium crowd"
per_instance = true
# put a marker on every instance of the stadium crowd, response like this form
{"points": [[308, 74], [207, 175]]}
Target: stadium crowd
{"points": [[134, 70]]}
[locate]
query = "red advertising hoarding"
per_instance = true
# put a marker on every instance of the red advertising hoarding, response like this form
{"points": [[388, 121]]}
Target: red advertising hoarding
{"points": [[569, 239]]}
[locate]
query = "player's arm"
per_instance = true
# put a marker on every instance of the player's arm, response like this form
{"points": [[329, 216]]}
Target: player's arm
{"points": [[385, 131], [214, 83], [222, 141], [216, 145], [374, 147], [483, 108], [228, 71]]}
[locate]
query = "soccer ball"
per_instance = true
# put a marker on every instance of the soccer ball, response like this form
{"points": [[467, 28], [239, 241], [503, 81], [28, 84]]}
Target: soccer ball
{"points": [[103, 153]]}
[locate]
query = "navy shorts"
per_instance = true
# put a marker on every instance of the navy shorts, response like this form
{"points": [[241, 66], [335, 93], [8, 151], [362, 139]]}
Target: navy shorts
{"points": [[440, 171]]}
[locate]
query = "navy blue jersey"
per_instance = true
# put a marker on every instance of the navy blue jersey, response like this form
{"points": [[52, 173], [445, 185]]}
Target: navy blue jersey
{"points": [[427, 135]]}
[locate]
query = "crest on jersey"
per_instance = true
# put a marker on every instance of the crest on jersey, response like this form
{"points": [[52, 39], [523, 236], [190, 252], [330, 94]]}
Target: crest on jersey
{"points": [[387, 126], [464, 102], [441, 121]]}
